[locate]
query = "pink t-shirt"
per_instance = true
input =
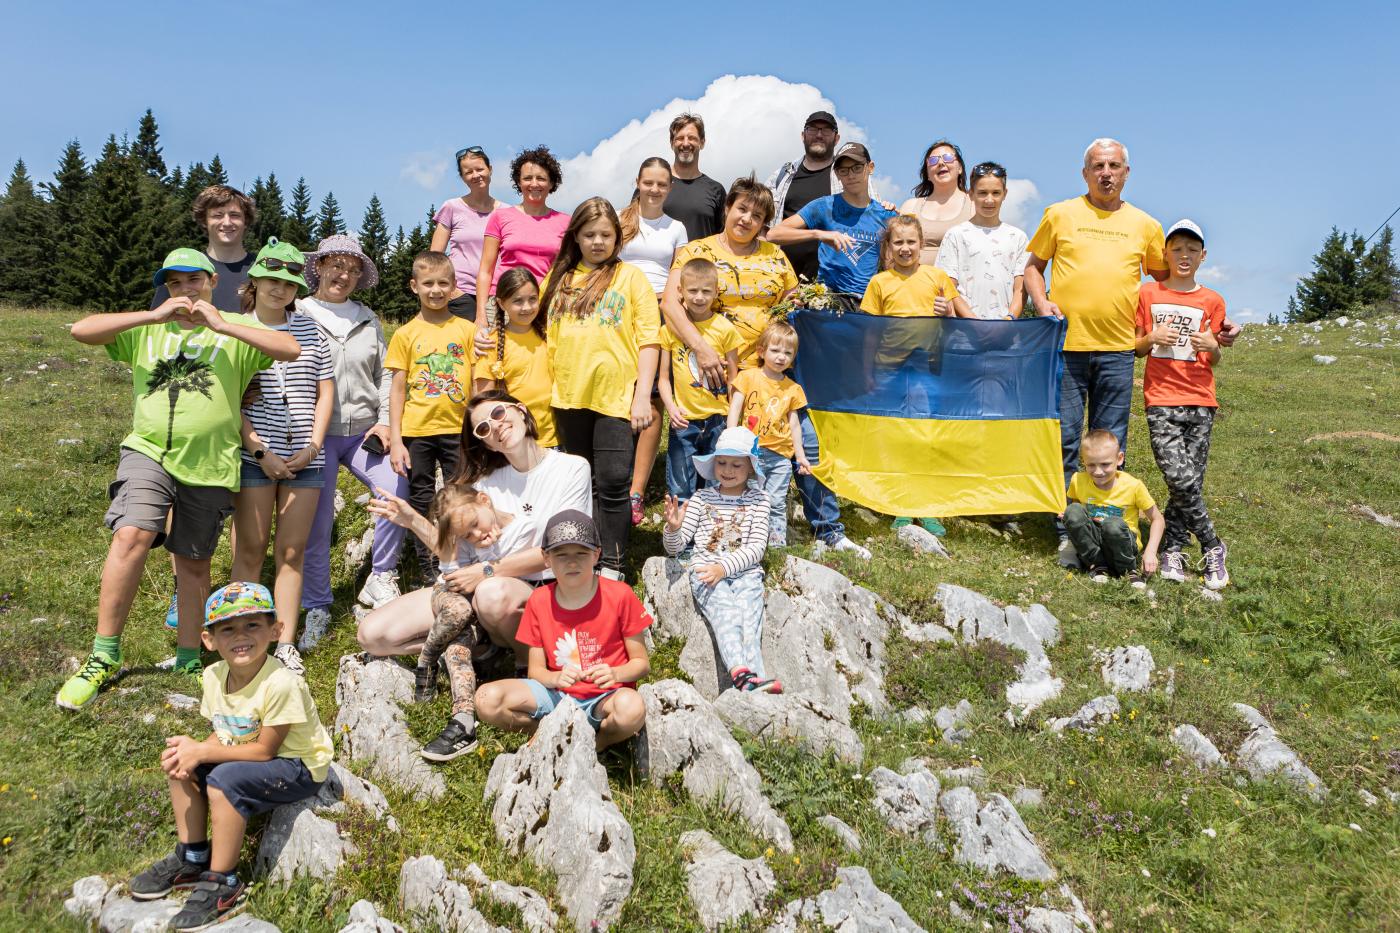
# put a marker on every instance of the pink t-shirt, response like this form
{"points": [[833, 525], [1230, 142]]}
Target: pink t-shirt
{"points": [[465, 229], [527, 241]]}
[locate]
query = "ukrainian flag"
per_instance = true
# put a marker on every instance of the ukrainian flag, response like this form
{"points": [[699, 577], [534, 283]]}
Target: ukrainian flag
{"points": [[935, 416]]}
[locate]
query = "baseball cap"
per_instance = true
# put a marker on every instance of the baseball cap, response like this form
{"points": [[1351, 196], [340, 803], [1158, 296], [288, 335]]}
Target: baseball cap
{"points": [[855, 151], [1186, 226], [237, 599], [183, 259], [284, 253], [820, 116], [570, 527]]}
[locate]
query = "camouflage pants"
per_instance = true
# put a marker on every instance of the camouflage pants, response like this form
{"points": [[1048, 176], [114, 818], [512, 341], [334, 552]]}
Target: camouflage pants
{"points": [[1180, 437], [454, 634]]}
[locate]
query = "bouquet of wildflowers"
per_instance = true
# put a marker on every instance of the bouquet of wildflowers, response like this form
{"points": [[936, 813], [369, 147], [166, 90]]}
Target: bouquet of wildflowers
{"points": [[811, 295]]}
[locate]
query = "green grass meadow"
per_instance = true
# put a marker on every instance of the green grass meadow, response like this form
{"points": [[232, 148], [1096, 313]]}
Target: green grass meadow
{"points": [[1309, 633]]}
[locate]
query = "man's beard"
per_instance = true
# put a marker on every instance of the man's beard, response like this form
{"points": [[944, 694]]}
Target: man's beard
{"points": [[818, 151], [686, 156]]}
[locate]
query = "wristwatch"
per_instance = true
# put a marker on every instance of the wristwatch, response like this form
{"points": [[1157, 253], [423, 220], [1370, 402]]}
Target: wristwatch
{"points": [[487, 570], [260, 453]]}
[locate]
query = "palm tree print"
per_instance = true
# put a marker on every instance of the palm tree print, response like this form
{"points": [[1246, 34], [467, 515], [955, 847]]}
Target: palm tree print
{"points": [[181, 374]]}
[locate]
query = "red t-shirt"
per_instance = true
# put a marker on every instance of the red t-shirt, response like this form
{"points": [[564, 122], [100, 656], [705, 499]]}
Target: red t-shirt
{"points": [[1177, 375], [583, 637]]}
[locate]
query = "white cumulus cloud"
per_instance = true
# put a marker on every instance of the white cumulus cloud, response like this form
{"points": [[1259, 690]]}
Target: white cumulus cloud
{"points": [[1022, 205], [428, 170], [1213, 274]]}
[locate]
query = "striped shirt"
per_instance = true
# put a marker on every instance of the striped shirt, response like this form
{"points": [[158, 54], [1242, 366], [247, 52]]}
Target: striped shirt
{"points": [[727, 530], [284, 412]]}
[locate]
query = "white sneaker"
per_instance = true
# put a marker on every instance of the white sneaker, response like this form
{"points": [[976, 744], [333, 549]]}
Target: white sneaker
{"points": [[1173, 567], [290, 658], [380, 588], [318, 620], [844, 543]]}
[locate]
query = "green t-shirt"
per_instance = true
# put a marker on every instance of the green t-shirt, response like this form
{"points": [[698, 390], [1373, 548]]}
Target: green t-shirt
{"points": [[188, 385]]}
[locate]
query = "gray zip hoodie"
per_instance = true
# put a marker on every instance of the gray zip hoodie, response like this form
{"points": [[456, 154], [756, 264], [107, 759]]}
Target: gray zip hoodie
{"points": [[357, 345]]}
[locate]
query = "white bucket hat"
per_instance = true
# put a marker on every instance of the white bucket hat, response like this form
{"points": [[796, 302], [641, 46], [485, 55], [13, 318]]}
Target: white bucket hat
{"points": [[733, 442]]}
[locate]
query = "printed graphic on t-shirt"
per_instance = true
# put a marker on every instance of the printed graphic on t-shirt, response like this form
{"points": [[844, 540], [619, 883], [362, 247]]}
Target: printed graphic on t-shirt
{"points": [[235, 730], [686, 357], [763, 415], [726, 529], [1102, 510], [1185, 320], [577, 648], [438, 377]]}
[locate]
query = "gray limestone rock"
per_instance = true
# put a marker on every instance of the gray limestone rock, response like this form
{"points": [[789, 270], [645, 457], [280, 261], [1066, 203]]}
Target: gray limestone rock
{"points": [[357, 549], [668, 598], [1028, 796], [89, 894], [1195, 746], [684, 735], [1098, 710], [993, 837], [1264, 755], [299, 841], [371, 726], [366, 918], [908, 802], [914, 715], [977, 618], [792, 718], [724, 888], [552, 801], [1365, 511], [534, 909], [1128, 668], [950, 719], [181, 701], [1323, 359], [972, 776], [1070, 918], [842, 831], [96, 902], [425, 891], [921, 541], [855, 905]]}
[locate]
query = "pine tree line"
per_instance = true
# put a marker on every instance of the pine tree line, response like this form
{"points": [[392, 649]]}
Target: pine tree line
{"points": [[1348, 279], [92, 237]]}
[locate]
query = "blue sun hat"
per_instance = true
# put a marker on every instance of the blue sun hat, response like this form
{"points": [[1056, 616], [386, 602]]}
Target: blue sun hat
{"points": [[237, 599], [733, 442]]}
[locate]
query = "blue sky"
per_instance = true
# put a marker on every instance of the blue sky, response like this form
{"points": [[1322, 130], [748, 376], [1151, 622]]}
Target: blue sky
{"points": [[1266, 123]]}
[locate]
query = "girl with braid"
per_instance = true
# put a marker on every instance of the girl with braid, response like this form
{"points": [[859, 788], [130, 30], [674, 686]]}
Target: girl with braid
{"points": [[519, 360]]}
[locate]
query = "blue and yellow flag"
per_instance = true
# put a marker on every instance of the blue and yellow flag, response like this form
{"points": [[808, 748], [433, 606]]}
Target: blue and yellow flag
{"points": [[935, 416]]}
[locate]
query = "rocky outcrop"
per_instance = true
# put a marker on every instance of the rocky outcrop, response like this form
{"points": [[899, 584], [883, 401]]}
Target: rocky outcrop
{"points": [[1264, 755], [1198, 749], [724, 888], [788, 717], [950, 720], [855, 905], [842, 831], [97, 903], [299, 840], [552, 802], [371, 725], [921, 541], [1127, 668], [534, 909], [1069, 917], [684, 736], [425, 891], [1030, 631], [992, 837], [908, 802], [366, 918], [1097, 711]]}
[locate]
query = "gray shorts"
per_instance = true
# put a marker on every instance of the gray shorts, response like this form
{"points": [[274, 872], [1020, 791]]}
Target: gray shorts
{"points": [[143, 495]]}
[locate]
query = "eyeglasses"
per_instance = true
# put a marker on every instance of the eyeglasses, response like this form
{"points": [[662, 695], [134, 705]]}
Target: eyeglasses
{"points": [[470, 150], [819, 128], [946, 157], [495, 416], [347, 266], [273, 264], [851, 168]]}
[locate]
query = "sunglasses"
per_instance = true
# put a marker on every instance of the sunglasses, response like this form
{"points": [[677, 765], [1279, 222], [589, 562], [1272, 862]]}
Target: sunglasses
{"points": [[947, 157], [982, 171], [470, 150], [273, 264], [495, 416]]}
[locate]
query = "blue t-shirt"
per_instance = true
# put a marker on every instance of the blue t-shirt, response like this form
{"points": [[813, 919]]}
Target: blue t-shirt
{"points": [[837, 270]]}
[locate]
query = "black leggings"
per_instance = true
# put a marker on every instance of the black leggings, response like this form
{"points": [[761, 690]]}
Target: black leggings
{"points": [[425, 455], [607, 444]]}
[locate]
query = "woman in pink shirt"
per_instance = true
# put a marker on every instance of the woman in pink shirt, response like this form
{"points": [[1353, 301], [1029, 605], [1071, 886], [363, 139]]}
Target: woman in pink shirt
{"points": [[461, 224], [527, 235]]}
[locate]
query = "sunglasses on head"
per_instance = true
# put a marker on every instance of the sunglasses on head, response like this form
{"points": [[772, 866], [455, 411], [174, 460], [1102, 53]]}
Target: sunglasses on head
{"points": [[982, 171], [947, 157], [470, 150], [494, 416], [274, 264]]}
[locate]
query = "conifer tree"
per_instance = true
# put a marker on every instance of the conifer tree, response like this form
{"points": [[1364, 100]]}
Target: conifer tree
{"points": [[116, 239], [297, 227], [1345, 278], [328, 221], [397, 301], [217, 175], [67, 193], [147, 150], [1378, 274], [26, 242], [272, 214], [374, 240]]}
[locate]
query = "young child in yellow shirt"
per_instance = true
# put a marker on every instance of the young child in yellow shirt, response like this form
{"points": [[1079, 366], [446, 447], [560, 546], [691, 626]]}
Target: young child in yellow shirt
{"points": [[519, 363], [1104, 510]]}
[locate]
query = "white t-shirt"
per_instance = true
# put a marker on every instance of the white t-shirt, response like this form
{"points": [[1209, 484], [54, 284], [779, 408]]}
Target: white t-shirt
{"points": [[653, 248], [560, 481], [985, 261]]}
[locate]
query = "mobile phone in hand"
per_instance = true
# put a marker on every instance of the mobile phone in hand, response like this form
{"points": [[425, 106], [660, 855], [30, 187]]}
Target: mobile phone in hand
{"points": [[374, 445]]}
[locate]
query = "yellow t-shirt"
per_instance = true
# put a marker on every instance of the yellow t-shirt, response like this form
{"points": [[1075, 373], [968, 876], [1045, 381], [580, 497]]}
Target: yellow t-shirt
{"points": [[694, 399], [895, 295], [767, 403], [748, 286], [1099, 258], [1126, 500], [437, 362], [527, 377], [593, 356], [275, 697]]}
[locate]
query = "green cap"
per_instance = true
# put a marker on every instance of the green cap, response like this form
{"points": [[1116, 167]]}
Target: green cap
{"points": [[287, 253], [184, 259]]}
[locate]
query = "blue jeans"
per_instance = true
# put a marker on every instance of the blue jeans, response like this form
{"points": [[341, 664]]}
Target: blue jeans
{"points": [[818, 502], [777, 474], [697, 437], [1105, 378]]}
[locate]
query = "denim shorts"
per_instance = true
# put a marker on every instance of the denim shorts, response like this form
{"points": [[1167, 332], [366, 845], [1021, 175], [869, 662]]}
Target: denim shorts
{"points": [[254, 787], [547, 698], [252, 475]]}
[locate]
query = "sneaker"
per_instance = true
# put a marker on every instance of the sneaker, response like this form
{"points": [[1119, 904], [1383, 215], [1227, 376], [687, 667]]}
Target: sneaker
{"points": [[1173, 567], [844, 543], [638, 513], [194, 671], [741, 677], [425, 683], [169, 874], [212, 901], [172, 612], [1067, 556], [933, 526], [314, 628], [83, 686], [1098, 574], [1216, 576], [290, 658], [772, 685], [453, 742], [380, 588]]}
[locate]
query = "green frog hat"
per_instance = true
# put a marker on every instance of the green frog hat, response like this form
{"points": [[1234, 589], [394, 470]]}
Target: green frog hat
{"points": [[278, 260]]}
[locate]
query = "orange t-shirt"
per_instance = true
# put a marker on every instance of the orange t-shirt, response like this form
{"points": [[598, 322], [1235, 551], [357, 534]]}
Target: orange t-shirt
{"points": [[1177, 375]]}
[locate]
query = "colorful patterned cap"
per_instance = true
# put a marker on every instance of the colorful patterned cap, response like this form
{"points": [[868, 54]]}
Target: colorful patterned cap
{"points": [[570, 527], [237, 599]]}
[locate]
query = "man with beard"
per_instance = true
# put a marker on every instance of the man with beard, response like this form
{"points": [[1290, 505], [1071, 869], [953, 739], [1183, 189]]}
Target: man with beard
{"points": [[796, 184], [696, 199]]}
